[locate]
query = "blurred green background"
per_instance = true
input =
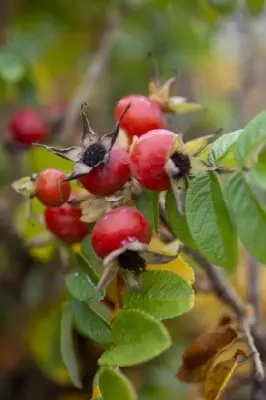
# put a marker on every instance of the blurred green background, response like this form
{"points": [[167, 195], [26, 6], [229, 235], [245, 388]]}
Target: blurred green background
{"points": [[56, 54]]}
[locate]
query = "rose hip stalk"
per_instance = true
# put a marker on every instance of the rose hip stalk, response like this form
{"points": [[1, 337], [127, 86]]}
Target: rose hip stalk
{"points": [[94, 152], [121, 239]]}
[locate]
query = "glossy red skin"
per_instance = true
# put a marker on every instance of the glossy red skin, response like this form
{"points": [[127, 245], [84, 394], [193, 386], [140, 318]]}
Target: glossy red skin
{"points": [[107, 179], [27, 127], [49, 190], [143, 115], [148, 159], [64, 222], [117, 228]]}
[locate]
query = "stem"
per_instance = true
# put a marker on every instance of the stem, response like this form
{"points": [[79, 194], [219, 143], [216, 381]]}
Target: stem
{"points": [[224, 290], [254, 287], [220, 285]]}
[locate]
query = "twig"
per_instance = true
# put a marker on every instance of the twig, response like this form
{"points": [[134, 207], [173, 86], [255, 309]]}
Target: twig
{"points": [[95, 70], [259, 374], [254, 286], [220, 285], [224, 290]]}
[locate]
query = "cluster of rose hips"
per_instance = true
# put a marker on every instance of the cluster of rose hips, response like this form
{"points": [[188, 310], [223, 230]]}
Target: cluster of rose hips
{"points": [[155, 160]]}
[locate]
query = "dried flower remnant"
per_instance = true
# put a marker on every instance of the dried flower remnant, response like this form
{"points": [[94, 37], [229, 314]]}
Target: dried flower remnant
{"points": [[93, 152]]}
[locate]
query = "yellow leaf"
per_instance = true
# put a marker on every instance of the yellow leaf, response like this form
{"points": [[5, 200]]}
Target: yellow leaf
{"points": [[178, 265], [195, 145], [208, 12], [220, 375], [43, 81], [200, 355]]}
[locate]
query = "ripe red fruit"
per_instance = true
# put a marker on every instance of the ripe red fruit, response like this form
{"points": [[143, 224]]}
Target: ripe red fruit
{"points": [[143, 115], [64, 222], [27, 127], [149, 157], [107, 179], [50, 188], [118, 228]]}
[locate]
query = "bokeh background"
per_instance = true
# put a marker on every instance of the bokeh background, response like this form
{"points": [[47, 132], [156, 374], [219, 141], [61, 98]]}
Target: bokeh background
{"points": [[54, 55]]}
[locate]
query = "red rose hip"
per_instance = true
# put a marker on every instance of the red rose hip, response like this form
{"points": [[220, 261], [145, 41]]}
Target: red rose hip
{"points": [[143, 115], [50, 188], [118, 228], [64, 222], [107, 179], [26, 126], [149, 157]]}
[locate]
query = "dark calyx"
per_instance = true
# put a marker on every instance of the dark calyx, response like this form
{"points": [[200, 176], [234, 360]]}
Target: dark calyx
{"points": [[132, 261], [95, 155], [182, 162]]}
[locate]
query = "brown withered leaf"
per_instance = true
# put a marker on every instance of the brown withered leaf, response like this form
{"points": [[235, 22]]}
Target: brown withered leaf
{"points": [[200, 355], [220, 375]]}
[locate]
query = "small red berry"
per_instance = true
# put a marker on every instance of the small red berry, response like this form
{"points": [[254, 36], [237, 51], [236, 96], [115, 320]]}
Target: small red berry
{"points": [[50, 188], [118, 228], [26, 126], [107, 179], [143, 115], [64, 222]]}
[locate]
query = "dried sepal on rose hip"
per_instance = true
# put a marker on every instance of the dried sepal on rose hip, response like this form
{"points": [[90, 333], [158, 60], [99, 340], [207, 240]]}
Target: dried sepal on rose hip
{"points": [[160, 160], [121, 240], [92, 153], [169, 103], [95, 207]]}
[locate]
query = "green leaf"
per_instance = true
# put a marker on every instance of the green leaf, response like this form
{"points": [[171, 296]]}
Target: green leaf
{"points": [[67, 346], [259, 171], [88, 252], [91, 324], [255, 6], [164, 294], [222, 148], [29, 230], [248, 215], [43, 341], [209, 221], [223, 7], [138, 337], [82, 281], [114, 385], [12, 67], [250, 140], [177, 221], [40, 159], [148, 204], [28, 96]]}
